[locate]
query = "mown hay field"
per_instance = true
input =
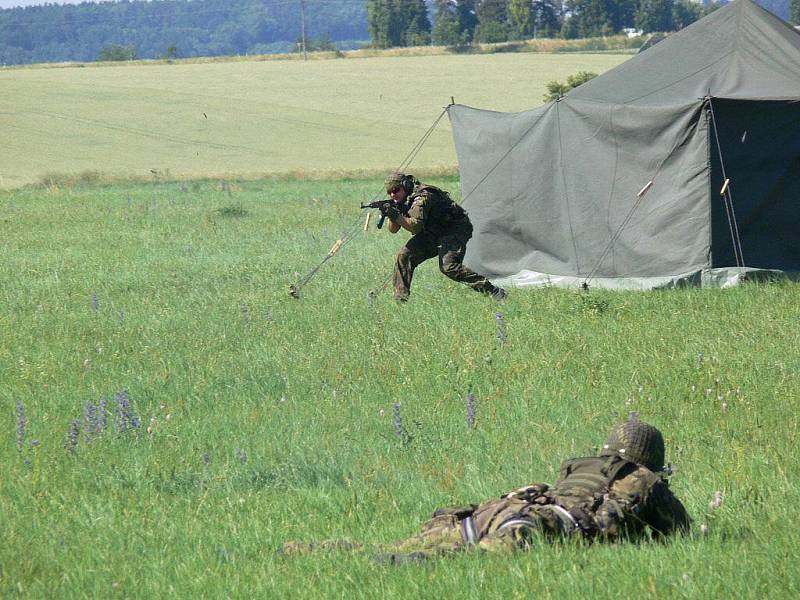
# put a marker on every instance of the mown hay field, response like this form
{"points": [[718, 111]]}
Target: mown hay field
{"points": [[171, 416], [249, 118]]}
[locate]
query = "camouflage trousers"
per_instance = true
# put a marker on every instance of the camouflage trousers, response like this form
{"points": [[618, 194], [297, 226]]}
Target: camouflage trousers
{"points": [[501, 525], [450, 249]]}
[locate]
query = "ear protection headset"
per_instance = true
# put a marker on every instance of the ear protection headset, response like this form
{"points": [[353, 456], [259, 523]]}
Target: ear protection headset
{"points": [[407, 183]]}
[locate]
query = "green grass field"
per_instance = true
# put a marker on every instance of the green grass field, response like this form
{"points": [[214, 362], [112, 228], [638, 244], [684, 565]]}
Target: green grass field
{"points": [[264, 418], [195, 120]]}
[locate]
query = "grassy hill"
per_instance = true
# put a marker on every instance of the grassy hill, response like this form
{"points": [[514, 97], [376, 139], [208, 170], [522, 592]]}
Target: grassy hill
{"points": [[255, 118], [262, 418], [172, 416]]}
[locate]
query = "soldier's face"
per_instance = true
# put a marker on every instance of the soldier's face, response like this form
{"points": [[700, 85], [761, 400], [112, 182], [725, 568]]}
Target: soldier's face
{"points": [[397, 194]]}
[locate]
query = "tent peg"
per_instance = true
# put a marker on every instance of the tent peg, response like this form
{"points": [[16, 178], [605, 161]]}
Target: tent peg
{"points": [[643, 191], [724, 187], [366, 222], [335, 247]]}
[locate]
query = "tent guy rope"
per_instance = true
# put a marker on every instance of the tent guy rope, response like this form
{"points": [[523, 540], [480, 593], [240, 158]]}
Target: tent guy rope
{"points": [[357, 227], [725, 192]]}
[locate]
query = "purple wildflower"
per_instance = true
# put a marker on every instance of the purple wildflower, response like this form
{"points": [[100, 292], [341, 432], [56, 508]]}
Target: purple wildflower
{"points": [[241, 455], [102, 415], [21, 422], [126, 419], [471, 410], [90, 419], [501, 328], [205, 457], [95, 303], [123, 410], [400, 431], [73, 434], [397, 420]]}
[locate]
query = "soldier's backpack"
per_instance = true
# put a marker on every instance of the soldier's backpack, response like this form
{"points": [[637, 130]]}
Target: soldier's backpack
{"points": [[583, 488], [444, 209]]}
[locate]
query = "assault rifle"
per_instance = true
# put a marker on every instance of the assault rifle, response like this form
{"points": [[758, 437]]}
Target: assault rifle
{"points": [[383, 206]]}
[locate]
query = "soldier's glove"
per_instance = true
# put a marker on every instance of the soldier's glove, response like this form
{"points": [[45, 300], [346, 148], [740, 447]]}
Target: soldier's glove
{"points": [[390, 211]]}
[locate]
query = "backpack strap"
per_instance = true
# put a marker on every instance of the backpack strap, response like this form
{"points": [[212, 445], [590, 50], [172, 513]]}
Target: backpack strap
{"points": [[614, 465]]}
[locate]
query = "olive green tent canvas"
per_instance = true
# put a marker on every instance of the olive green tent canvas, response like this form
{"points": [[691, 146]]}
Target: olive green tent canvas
{"points": [[680, 166]]}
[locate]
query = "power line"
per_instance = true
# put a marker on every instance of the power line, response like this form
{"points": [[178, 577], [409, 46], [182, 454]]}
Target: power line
{"points": [[303, 27]]}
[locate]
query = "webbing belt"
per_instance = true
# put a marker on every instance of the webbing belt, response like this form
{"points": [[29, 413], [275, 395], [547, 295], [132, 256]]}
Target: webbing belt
{"points": [[468, 531], [516, 521], [567, 520]]}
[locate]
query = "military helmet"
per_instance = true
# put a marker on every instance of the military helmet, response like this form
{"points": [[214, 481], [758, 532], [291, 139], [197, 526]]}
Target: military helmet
{"points": [[396, 180], [637, 441]]}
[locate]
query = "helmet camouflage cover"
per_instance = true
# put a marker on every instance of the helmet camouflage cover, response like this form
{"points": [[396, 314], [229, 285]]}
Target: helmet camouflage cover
{"points": [[637, 441], [393, 181]]}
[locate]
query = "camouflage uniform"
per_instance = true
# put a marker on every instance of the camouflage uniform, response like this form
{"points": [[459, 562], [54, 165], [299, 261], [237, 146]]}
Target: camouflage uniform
{"points": [[617, 495], [637, 503], [439, 227]]}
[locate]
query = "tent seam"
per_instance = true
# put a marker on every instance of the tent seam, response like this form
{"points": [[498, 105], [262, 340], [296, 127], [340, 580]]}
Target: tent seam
{"points": [[564, 190], [613, 183]]}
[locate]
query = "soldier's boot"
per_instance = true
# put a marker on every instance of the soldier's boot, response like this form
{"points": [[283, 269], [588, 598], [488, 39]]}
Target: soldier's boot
{"points": [[451, 265], [300, 548], [498, 294], [400, 558]]}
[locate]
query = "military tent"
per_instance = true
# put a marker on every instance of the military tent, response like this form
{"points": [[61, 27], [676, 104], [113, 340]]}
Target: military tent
{"points": [[680, 166]]}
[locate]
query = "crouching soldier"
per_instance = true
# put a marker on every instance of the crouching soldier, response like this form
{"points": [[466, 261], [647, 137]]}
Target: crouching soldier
{"points": [[439, 227], [620, 494]]}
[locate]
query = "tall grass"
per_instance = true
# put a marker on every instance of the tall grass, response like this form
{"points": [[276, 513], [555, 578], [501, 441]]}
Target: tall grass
{"points": [[262, 418]]}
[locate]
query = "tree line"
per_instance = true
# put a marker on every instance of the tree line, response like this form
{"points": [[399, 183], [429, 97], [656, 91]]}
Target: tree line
{"points": [[463, 22], [127, 29]]}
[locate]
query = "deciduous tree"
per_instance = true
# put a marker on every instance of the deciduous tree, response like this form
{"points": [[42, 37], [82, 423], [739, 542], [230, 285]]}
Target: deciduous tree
{"points": [[521, 18], [654, 15], [447, 29], [684, 13], [418, 27], [492, 21], [378, 22]]}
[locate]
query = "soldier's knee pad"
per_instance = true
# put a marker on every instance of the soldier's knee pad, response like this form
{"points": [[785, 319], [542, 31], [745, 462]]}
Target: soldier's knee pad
{"points": [[404, 255]]}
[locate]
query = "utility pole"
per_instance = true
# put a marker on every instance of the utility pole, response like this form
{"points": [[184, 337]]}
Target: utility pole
{"points": [[303, 27]]}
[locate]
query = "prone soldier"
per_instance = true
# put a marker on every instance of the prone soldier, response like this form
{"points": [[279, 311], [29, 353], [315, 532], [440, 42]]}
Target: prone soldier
{"points": [[620, 494]]}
